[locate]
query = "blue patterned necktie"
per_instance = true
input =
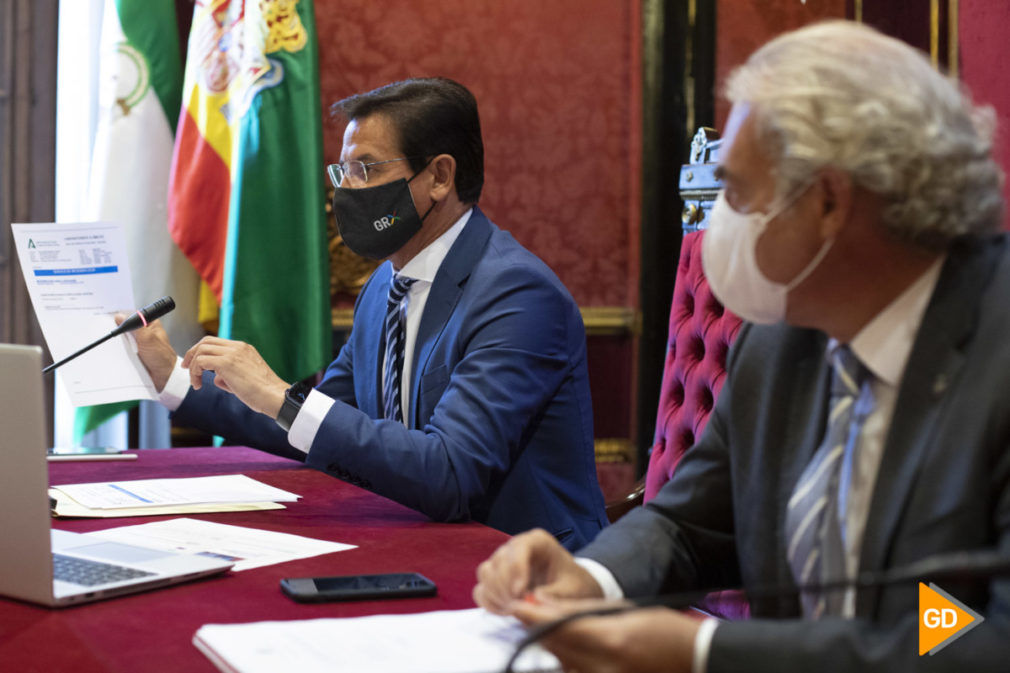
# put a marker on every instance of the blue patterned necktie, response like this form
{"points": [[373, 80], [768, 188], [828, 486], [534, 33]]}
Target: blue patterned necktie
{"points": [[815, 518], [396, 317]]}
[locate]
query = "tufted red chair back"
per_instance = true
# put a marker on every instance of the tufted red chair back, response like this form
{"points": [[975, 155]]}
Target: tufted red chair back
{"points": [[701, 332]]}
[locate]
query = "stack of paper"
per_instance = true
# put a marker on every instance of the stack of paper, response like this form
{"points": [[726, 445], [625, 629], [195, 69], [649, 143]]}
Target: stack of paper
{"points": [[247, 547], [452, 641], [152, 497]]}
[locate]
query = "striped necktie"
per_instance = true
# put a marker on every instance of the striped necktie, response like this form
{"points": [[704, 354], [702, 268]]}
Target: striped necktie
{"points": [[815, 518], [396, 317]]}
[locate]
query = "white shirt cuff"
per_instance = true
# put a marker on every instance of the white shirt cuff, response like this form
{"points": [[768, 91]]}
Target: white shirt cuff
{"points": [[702, 645], [310, 417], [611, 589], [176, 388]]}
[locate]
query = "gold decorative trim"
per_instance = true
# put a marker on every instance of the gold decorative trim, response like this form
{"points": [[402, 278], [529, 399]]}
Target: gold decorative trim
{"points": [[689, 92], [614, 450], [953, 39], [342, 318], [934, 32], [611, 320], [599, 320]]}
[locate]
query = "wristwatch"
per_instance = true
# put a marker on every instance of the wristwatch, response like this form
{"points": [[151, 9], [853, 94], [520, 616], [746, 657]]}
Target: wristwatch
{"points": [[294, 398]]}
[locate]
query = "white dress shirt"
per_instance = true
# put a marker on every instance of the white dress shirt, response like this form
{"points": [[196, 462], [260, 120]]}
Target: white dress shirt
{"points": [[422, 267], [883, 346]]}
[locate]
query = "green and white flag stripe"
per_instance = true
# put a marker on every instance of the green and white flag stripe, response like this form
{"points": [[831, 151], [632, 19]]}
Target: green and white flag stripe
{"points": [[149, 27], [139, 94]]}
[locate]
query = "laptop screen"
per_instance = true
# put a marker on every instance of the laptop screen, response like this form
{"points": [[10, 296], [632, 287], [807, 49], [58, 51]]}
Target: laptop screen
{"points": [[26, 569]]}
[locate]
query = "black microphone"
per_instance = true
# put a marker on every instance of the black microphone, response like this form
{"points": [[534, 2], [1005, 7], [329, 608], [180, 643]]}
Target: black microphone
{"points": [[958, 565], [148, 314], [141, 318]]}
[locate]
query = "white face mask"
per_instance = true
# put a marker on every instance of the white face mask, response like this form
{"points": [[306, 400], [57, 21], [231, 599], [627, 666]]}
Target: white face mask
{"points": [[729, 258]]}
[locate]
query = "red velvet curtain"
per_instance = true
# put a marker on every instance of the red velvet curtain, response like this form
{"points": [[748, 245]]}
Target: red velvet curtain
{"points": [[982, 26], [557, 84], [984, 51]]}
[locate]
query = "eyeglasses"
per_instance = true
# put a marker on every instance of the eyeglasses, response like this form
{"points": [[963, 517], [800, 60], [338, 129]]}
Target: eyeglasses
{"points": [[353, 172]]}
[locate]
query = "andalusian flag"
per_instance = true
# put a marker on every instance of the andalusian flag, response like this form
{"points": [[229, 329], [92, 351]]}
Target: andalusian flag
{"points": [[246, 199], [140, 83]]}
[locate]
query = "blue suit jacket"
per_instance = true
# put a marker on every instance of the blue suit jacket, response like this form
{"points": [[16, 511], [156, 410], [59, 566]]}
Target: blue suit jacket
{"points": [[500, 420]]}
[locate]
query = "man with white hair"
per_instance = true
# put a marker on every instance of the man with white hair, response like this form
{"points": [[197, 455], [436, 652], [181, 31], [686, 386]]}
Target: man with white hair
{"points": [[865, 421]]}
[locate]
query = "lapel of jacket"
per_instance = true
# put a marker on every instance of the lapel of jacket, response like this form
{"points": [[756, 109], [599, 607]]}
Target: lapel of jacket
{"points": [[444, 295], [936, 358], [376, 319], [807, 417]]}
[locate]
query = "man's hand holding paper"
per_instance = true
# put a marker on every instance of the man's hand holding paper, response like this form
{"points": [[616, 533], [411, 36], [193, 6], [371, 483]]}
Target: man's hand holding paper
{"points": [[154, 350], [238, 367], [78, 275]]}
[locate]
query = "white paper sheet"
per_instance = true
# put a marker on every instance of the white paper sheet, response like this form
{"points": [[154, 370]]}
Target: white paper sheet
{"points": [[78, 276], [236, 488], [449, 641], [247, 547], [70, 508]]}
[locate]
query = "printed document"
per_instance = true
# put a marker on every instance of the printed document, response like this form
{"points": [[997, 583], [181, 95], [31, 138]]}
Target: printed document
{"points": [[67, 507], [78, 276], [247, 547], [231, 488], [449, 641]]}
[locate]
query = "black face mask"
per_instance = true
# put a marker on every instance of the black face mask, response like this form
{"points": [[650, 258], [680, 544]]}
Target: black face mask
{"points": [[377, 221]]}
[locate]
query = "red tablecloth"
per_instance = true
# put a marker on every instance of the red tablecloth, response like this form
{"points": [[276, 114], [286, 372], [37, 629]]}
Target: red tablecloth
{"points": [[152, 631]]}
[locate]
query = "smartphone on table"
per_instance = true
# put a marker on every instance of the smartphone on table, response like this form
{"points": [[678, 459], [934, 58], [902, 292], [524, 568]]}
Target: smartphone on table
{"points": [[357, 587], [71, 453]]}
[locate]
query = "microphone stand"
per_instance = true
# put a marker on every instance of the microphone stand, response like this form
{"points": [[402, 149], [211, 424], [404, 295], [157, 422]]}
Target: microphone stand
{"points": [[91, 345], [141, 318], [956, 565], [149, 313]]}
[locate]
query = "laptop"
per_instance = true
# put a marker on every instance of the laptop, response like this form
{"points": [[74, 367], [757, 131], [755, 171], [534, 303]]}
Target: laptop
{"points": [[54, 567]]}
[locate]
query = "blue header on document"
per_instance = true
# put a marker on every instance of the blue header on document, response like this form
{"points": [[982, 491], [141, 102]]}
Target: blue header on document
{"points": [[80, 271]]}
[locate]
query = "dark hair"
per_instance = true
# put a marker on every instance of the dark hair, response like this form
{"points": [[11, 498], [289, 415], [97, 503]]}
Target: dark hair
{"points": [[432, 116]]}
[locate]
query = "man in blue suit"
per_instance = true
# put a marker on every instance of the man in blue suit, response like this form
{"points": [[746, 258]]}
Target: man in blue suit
{"points": [[463, 390]]}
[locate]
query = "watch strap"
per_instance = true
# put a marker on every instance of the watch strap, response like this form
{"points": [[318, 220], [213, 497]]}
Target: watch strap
{"points": [[294, 398]]}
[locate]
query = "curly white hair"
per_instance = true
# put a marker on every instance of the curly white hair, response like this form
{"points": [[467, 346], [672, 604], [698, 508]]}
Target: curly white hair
{"points": [[842, 94]]}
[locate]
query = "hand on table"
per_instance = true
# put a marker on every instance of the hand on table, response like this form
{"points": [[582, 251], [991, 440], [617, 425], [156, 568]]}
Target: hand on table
{"points": [[531, 562], [643, 640], [240, 370]]}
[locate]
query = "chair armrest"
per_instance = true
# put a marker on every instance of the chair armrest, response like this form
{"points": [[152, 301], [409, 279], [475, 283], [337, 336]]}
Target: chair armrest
{"points": [[626, 502]]}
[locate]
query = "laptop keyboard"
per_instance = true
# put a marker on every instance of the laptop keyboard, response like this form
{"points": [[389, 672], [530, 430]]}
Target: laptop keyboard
{"points": [[89, 573]]}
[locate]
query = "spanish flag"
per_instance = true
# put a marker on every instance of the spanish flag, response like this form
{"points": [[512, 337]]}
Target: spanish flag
{"points": [[246, 197]]}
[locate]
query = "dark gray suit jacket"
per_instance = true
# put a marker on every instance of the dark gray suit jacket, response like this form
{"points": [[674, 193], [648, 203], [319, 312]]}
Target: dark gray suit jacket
{"points": [[943, 485]]}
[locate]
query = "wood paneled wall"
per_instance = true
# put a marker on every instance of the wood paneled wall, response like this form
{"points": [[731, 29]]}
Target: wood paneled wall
{"points": [[28, 31]]}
